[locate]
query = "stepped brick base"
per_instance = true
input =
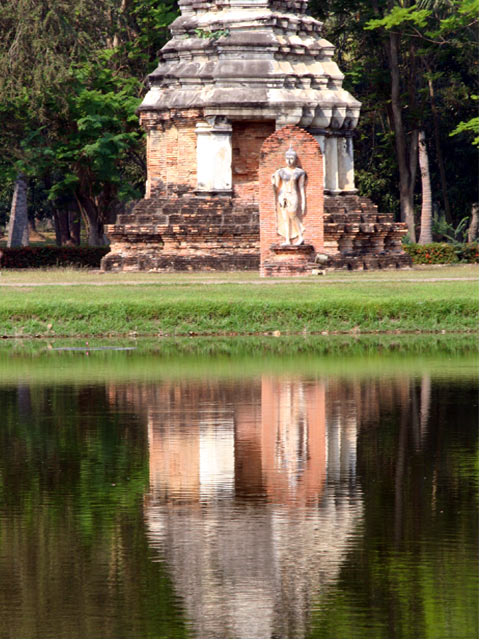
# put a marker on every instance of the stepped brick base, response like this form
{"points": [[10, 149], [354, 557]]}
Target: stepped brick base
{"points": [[222, 234], [185, 234], [358, 237]]}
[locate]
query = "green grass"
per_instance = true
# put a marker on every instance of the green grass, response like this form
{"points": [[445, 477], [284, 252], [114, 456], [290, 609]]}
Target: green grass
{"points": [[34, 303], [149, 360]]}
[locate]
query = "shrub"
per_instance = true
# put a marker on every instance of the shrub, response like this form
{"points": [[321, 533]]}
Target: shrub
{"points": [[51, 256], [468, 252], [434, 253]]}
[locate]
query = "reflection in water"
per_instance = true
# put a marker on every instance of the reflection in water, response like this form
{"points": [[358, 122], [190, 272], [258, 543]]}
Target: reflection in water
{"points": [[252, 499], [262, 507]]}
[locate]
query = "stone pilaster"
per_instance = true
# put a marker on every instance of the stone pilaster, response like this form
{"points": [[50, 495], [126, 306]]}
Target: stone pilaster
{"points": [[320, 138], [214, 157], [331, 165], [346, 177]]}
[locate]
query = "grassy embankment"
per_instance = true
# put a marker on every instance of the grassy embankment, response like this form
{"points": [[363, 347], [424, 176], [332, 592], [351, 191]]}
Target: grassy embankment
{"points": [[74, 303]]}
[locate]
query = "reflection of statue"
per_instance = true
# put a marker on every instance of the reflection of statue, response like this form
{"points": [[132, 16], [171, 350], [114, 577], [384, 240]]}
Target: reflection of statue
{"points": [[289, 186]]}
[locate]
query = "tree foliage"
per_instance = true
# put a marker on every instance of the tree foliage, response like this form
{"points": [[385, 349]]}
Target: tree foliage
{"points": [[70, 119], [436, 45]]}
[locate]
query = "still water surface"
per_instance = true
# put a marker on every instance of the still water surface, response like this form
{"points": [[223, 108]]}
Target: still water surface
{"points": [[276, 503]]}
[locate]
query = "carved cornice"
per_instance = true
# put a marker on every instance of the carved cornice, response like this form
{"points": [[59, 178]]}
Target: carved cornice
{"points": [[247, 56]]}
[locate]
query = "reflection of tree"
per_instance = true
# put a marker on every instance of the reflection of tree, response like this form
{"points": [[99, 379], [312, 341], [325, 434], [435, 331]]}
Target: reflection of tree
{"points": [[417, 560], [73, 559]]}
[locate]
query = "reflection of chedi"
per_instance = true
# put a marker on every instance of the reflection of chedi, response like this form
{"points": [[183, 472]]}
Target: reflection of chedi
{"points": [[252, 502]]}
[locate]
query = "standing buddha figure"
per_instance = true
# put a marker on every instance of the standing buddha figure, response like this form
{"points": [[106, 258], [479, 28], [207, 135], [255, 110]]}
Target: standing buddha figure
{"points": [[289, 187]]}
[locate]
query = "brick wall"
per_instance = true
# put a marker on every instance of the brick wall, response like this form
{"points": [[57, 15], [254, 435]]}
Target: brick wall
{"points": [[171, 152], [272, 157], [247, 140]]}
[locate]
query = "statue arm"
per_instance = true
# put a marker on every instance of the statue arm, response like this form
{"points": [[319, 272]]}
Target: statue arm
{"points": [[275, 184], [276, 179], [301, 188]]}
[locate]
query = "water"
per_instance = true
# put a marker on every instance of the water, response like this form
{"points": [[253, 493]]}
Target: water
{"points": [[151, 495]]}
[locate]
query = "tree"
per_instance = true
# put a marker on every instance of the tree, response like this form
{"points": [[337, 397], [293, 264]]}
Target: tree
{"points": [[78, 132], [31, 31], [414, 67], [398, 44], [426, 216], [88, 148]]}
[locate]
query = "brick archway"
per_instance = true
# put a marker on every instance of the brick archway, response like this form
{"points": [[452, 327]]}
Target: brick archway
{"points": [[272, 157]]}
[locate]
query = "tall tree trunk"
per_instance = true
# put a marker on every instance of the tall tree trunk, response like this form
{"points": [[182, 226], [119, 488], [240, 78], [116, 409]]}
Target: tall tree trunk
{"points": [[425, 404], [67, 224], [18, 225], [93, 223], [438, 149], [426, 217], [24, 402], [62, 227], [472, 233], [400, 462], [32, 223], [74, 218], [406, 154]]}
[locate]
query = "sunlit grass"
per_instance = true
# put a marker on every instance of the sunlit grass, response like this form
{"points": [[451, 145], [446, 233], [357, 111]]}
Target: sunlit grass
{"points": [[177, 304]]}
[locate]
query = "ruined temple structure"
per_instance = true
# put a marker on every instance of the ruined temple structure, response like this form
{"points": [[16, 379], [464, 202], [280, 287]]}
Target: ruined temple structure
{"points": [[234, 73]]}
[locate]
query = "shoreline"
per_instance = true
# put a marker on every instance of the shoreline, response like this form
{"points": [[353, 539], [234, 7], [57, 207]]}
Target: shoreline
{"points": [[248, 334]]}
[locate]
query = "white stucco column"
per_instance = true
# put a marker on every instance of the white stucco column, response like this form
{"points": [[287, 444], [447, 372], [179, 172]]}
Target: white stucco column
{"points": [[331, 165], [348, 447], [214, 156], [346, 176]]}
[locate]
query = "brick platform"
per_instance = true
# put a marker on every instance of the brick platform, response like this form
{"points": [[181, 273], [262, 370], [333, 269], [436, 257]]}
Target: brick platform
{"points": [[357, 236], [289, 261], [192, 233]]}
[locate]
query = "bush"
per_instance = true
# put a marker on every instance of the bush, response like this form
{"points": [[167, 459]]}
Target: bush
{"points": [[468, 252], [51, 256], [434, 253]]}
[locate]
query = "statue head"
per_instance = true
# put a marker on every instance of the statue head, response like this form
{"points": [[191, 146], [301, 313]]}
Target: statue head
{"points": [[291, 157]]}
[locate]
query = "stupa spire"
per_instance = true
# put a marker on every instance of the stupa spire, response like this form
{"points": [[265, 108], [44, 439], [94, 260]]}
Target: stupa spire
{"points": [[252, 58]]}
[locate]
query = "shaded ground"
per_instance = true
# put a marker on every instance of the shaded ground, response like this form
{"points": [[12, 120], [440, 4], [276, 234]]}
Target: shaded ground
{"points": [[69, 277]]}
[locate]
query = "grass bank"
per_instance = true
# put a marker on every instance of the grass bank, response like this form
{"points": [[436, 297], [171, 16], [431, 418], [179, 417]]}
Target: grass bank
{"points": [[65, 303]]}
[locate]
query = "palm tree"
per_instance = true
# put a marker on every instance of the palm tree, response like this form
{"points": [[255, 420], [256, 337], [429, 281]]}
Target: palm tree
{"points": [[426, 215]]}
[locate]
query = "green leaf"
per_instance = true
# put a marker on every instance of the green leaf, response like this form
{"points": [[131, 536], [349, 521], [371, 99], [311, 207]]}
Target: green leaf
{"points": [[468, 126], [398, 17]]}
